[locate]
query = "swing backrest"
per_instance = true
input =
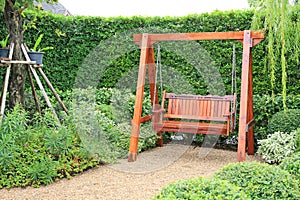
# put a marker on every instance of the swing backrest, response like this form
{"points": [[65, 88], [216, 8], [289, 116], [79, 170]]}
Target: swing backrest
{"points": [[197, 107]]}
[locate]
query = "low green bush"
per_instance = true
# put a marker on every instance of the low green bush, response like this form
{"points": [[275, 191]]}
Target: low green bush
{"points": [[260, 180], [201, 188], [292, 165], [284, 121], [277, 146]]}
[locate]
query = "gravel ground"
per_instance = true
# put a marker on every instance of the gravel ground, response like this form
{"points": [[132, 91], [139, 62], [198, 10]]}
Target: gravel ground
{"points": [[135, 180]]}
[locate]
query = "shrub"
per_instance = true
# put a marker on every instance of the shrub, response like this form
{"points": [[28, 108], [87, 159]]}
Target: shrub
{"points": [[277, 146], [292, 165], [105, 129], [297, 140], [285, 121], [265, 107], [201, 188], [260, 180]]}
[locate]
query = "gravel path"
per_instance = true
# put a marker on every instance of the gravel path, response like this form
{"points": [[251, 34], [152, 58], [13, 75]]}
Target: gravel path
{"points": [[136, 180]]}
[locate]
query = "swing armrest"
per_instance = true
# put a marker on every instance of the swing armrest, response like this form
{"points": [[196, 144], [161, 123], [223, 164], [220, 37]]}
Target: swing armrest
{"points": [[228, 114], [159, 111]]}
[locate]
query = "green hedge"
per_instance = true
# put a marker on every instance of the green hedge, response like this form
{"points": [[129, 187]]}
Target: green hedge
{"points": [[292, 165], [74, 38], [260, 180], [201, 188]]}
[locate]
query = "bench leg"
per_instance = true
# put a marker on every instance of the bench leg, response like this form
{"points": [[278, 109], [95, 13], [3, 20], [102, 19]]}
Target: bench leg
{"points": [[160, 141]]}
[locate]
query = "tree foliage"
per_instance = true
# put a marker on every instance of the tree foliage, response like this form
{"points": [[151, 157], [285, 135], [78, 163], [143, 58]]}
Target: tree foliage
{"points": [[12, 12], [281, 22], [21, 4]]}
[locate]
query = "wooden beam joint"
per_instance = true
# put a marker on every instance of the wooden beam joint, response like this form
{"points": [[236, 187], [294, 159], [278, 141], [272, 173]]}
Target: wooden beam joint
{"points": [[250, 124]]}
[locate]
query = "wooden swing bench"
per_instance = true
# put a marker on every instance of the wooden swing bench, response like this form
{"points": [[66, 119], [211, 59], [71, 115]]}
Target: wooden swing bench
{"points": [[195, 114]]}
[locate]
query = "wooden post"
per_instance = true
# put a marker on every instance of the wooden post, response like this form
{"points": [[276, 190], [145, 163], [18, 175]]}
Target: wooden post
{"points": [[6, 80], [250, 138], [5, 86], [154, 88], [53, 90], [38, 81], [136, 121], [36, 101], [152, 76], [244, 101]]}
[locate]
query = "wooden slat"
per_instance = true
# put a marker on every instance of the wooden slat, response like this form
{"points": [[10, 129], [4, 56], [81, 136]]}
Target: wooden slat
{"points": [[196, 108], [192, 127], [195, 117], [203, 108], [200, 97]]}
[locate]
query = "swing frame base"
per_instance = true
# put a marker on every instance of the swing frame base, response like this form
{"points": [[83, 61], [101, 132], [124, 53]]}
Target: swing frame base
{"points": [[132, 157]]}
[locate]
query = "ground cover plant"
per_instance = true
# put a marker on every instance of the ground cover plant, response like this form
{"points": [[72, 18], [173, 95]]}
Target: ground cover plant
{"points": [[38, 151]]}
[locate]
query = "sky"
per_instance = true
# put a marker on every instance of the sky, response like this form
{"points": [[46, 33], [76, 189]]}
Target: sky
{"points": [[127, 8]]}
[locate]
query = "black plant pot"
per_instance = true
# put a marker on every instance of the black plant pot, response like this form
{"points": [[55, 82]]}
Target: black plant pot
{"points": [[37, 57], [3, 52]]}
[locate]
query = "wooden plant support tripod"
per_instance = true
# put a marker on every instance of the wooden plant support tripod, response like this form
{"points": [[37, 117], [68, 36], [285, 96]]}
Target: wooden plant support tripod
{"points": [[32, 66]]}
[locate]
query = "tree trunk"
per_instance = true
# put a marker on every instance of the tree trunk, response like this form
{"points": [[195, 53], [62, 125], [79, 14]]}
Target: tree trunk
{"points": [[13, 20]]}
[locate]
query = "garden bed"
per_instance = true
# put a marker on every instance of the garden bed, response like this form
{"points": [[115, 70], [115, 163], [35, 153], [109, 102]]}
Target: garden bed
{"points": [[138, 180]]}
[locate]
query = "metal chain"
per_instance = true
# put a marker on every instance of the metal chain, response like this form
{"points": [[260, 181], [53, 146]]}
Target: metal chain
{"points": [[233, 82], [158, 65]]}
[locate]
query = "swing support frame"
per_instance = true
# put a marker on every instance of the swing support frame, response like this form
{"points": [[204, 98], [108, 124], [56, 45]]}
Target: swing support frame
{"points": [[147, 60]]}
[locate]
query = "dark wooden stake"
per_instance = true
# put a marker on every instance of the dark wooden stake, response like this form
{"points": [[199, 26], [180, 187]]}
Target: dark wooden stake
{"points": [[36, 101], [53, 90]]}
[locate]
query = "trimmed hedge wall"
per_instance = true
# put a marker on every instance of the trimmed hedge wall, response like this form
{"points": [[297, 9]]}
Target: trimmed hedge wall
{"points": [[73, 39]]}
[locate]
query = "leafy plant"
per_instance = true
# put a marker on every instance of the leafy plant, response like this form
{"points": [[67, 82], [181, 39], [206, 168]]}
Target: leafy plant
{"points": [[277, 146], [41, 171], [297, 140], [3, 43], [37, 43], [292, 165], [201, 188], [39, 151], [260, 180], [105, 129], [282, 28], [270, 117]]}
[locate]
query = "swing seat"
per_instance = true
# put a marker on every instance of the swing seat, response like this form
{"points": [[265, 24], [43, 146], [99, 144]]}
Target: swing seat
{"points": [[195, 114]]}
